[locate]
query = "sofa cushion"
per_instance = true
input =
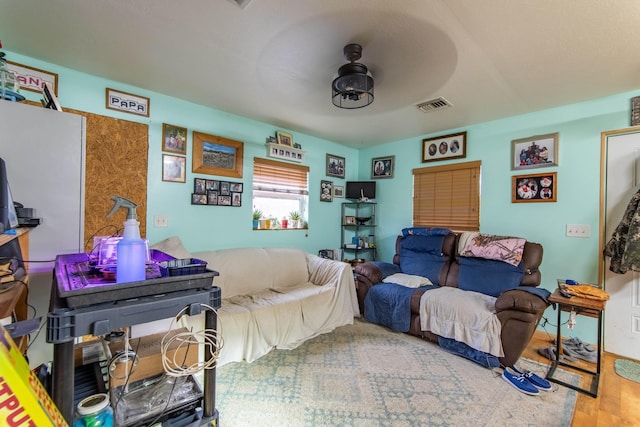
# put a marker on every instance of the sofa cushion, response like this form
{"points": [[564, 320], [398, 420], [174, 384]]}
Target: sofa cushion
{"points": [[488, 276], [172, 246], [244, 271], [422, 256]]}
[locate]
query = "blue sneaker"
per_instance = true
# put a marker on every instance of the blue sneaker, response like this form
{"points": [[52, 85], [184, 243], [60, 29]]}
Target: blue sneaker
{"points": [[534, 379], [519, 381]]}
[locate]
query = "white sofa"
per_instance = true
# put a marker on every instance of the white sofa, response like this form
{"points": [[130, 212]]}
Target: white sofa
{"points": [[274, 297]]}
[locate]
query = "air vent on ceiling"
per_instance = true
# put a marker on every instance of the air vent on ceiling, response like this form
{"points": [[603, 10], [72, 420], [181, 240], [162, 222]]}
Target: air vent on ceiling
{"points": [[241, 3], [433, 105]]}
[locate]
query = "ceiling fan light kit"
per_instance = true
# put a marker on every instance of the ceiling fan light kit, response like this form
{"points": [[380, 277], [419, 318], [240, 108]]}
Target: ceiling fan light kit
{"points": [[353, 88]]}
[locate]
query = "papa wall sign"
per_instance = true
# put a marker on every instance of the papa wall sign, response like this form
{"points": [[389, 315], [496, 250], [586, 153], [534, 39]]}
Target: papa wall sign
{"points": [[127, 102]]}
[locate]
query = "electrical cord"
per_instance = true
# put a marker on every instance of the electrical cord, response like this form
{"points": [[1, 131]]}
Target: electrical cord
{"points": [[87, 241], [211, 339]]}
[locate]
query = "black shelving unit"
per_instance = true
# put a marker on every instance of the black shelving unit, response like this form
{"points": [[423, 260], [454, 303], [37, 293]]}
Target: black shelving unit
{"points": [[64, 323], [358, 230]]}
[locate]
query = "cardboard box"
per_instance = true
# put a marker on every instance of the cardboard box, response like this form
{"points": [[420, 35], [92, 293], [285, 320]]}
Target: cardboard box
{"points": [[23, 399], [149, 355], [86, 352]]}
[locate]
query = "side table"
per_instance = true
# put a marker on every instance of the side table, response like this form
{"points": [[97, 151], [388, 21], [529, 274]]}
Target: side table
{"points": [[584, 307]]}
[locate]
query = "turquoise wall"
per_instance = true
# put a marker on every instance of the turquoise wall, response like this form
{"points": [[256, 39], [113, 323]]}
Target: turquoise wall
{"points": [[580, 126], [209, 227], [202, 227]]}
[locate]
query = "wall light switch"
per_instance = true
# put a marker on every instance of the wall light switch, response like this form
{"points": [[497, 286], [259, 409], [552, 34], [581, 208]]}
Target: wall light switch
{"points": [[160, 221], [578, 230]]}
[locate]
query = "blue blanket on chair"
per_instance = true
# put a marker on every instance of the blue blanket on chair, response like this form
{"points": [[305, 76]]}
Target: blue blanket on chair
{"points": [[388, 304]]}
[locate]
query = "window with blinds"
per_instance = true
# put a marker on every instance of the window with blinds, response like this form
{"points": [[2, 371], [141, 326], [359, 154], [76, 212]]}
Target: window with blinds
{"points": [[280, 188], [447, 196]]}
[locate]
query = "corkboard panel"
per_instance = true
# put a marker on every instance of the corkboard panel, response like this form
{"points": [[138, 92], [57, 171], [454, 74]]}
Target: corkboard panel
{"points": [[116, 165]]}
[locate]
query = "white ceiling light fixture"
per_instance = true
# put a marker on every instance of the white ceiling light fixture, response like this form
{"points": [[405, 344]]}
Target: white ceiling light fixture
{"points": [[353, 88]]}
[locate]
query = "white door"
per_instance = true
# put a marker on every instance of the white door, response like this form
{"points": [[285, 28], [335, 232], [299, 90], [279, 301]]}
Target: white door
{"points": [[622, 312]]}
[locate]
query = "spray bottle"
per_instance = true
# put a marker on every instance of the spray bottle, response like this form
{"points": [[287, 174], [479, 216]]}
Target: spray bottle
{"points": [[131, 249]]}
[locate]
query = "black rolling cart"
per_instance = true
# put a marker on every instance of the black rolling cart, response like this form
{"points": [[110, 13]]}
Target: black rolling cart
{"points": [[76, 309]]}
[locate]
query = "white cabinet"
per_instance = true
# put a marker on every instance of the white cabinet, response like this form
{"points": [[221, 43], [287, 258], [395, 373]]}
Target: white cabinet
{"points": [[44, 151]]}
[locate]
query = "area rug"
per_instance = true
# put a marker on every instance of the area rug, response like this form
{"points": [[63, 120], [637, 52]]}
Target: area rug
{"points": [[628, 369], [366, 375]]}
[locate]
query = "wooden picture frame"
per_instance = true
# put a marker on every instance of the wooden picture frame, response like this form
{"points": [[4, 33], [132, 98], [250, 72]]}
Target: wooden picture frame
{"points": [[336, 166], [635, 111], [215, 155], [539, 187], [127, 102], [382, 167], [284, 138], [32, 78], [174, 168], [446, 147], [174, 139], [539, 151]]}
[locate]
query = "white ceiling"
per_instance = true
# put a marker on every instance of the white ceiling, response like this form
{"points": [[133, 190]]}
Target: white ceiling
{"points": [[274, 60]]}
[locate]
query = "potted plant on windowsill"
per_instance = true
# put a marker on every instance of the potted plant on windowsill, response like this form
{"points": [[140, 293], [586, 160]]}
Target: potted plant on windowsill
{"points": [[257, 214], [295, 219]]}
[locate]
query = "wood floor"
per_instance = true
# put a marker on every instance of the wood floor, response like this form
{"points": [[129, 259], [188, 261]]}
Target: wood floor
{"points": [[618, 401]]}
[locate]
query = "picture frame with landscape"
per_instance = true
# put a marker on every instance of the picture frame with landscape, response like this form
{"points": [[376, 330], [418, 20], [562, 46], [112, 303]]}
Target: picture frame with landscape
{"points": [[215, 155]]}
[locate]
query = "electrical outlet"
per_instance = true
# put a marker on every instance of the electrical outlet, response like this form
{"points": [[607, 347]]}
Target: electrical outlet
{"points": [[578, 230], [160, 221]]}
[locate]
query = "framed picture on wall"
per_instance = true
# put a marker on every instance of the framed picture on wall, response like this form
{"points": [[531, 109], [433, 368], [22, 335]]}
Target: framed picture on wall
{"points": [[215, 155], [335, 166], [174, 139], [540, 187], [382, 167], [284, 138], [326, 191], [199, 186], [174, 168], [535, 151], [444, 147]]}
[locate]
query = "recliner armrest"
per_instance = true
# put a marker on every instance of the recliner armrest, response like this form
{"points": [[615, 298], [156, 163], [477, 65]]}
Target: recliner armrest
{"points": [[520, 300], [375, 271]]}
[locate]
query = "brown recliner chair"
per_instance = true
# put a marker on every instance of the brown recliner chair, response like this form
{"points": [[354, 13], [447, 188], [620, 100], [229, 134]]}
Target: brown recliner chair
{"points": [[518, 311]]}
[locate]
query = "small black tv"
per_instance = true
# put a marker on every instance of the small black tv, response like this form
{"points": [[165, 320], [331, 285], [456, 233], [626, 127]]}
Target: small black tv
{"points": [[8, 217], [358, 190]]}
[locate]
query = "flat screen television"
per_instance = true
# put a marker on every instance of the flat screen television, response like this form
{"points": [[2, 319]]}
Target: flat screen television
{"points": [[8, 217], [357, 190]]}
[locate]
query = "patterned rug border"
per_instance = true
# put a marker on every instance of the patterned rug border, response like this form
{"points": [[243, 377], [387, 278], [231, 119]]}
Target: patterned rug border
{"points": [[346, 378]]}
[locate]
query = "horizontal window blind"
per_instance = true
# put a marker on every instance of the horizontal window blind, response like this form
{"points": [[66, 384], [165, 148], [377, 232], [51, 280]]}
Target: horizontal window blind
{"points": [[447, 196], [280, 177]]}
